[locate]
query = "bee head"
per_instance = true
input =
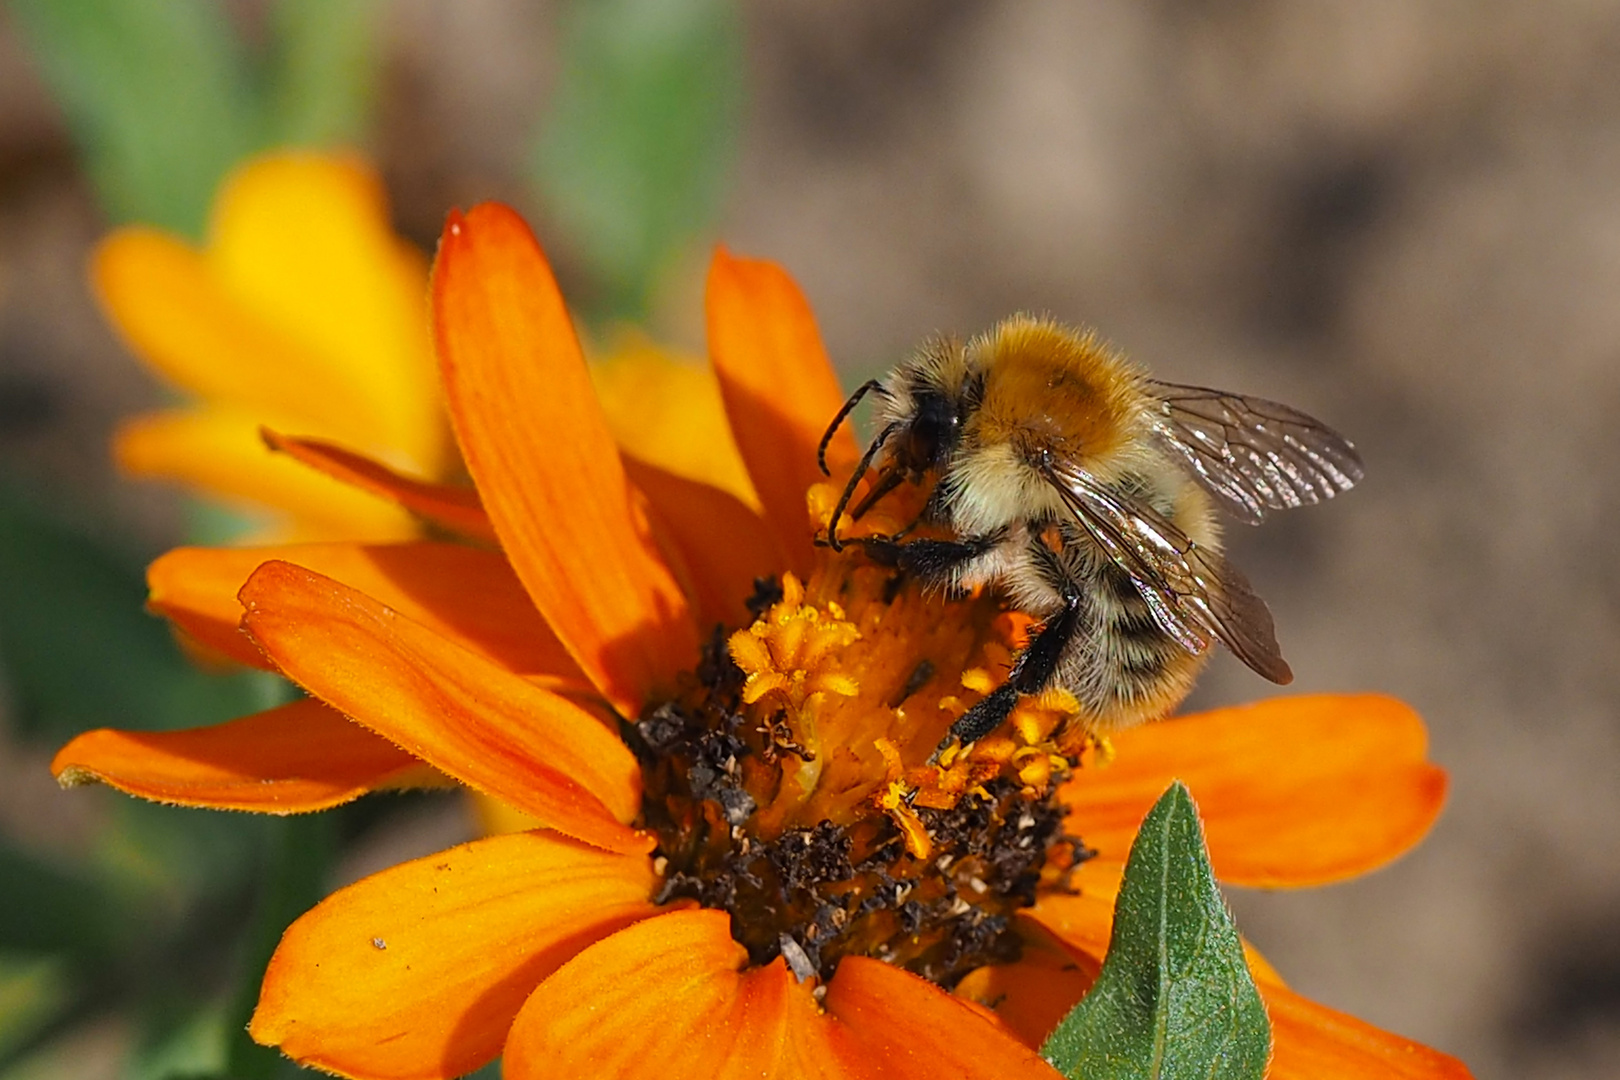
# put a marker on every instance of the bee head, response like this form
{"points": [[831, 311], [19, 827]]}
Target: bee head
{"points": [[928, 435], [920, 422]]}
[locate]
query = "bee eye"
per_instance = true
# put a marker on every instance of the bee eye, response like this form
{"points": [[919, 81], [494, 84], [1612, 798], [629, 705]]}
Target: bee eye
{"points": [[933, 431]]}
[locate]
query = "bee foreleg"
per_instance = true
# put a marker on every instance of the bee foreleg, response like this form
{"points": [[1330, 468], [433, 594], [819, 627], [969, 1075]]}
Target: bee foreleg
{"points": [[1031, 673], [934, 562]]}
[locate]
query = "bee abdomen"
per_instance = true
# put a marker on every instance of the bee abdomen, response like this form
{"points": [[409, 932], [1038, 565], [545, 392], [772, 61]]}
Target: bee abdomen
{"points": [[1124, 669]]}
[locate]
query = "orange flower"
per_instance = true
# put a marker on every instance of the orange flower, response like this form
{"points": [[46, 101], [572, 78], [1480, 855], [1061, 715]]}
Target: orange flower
{"points": [[745, 866], [303, 313]]}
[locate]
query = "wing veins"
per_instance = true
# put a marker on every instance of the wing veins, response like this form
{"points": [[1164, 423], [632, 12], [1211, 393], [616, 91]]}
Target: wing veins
{"points": [[1252, 454], [1195, 595]]}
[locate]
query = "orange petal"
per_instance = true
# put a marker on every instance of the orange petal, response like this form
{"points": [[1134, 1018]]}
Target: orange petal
{"points": [[456, 508], [450, 707], [289, 760], [1293, 791], [665, 409], [779, 388], [1033, 993], [466, 595], [721, 543], [669, 997], [417, 972], [220, 452], [915, 1029], [1313, 1042], [545, 463], [1083, 921]]}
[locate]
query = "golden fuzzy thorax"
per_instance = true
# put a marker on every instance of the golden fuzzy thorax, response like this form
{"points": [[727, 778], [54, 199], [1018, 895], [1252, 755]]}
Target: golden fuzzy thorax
{"points": [[1049, 389]]}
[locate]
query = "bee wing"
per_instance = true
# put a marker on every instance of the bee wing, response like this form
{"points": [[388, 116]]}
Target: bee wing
{"points": [[1195, 595], [1252, 454]]}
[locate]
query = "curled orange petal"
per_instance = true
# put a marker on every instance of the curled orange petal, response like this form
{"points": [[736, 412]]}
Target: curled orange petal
{"points": [[1293, 791], [545, 463], [455, 508], [450, 707], [779, 388], [289, 760], [219, 451], [416, 972], [467, 596]]}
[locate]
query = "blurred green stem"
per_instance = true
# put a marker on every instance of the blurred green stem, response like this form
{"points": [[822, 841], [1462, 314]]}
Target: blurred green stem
{"points": [[299, 856]]}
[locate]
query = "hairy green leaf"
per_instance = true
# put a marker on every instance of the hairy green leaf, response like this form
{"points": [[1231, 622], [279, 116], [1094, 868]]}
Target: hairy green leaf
{"points": [[1175, 999]]}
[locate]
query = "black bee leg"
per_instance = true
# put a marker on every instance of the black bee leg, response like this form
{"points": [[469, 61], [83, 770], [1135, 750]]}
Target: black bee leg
{"points": [[1031, 673], [932, 561]]}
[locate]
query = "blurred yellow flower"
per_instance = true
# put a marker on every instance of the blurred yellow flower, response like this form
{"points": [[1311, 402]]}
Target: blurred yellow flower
{"points": [[305, 313]]}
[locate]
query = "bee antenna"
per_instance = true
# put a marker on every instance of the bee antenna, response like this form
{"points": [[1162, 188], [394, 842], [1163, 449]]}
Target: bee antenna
{"points": [[843, 413], [854, 479]]}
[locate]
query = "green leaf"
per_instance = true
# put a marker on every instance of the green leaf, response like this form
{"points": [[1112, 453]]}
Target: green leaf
{"points": [[190, 1044], [1175, 998], [322, 82], [33, 992], [53, 908], [158, 97], [638, 139], [301, 853], [77, 648]]}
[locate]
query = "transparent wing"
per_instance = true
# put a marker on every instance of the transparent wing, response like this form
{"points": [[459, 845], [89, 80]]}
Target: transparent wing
{"points": [[1195, 595], [1252, 454]]}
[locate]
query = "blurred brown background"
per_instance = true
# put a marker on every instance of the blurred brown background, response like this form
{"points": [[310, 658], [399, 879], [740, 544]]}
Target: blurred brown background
{"points": [[1401, 216]]}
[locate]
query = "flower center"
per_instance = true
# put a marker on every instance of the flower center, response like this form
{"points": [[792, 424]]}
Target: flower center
{"points": [[789, 784]]}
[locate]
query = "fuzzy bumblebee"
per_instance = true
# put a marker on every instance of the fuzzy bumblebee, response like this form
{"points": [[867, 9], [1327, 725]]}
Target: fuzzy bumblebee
{"points": [[1085, 492]]}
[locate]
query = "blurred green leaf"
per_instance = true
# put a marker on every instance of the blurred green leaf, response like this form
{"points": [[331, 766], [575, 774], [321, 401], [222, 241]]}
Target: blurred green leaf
{"points": [[638, 139], [1174, 999], [77, 648], [157, 95], [33, 992], [170, 857], [322, 80], [51, 908], [187, 1043], [164, 97], [300, 856]]}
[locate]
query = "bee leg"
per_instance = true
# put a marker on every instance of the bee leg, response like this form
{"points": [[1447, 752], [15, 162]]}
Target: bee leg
{"points": [[935, 562], [1031, 673]]}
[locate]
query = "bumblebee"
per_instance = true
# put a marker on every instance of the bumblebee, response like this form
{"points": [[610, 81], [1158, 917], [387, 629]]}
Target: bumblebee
{"points": [[1085, 492]]}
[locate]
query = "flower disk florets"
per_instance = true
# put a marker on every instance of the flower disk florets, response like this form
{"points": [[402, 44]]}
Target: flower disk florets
{"points": [[789, 784]]}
